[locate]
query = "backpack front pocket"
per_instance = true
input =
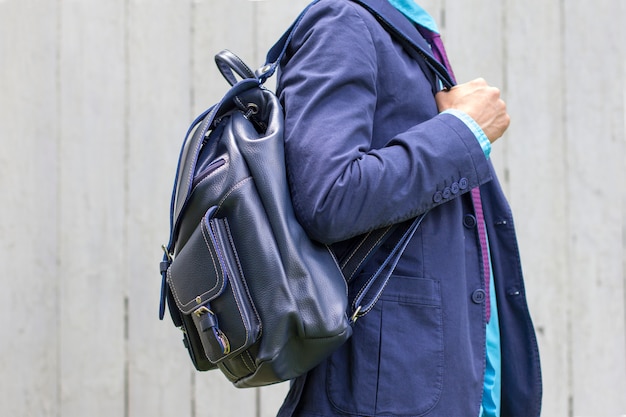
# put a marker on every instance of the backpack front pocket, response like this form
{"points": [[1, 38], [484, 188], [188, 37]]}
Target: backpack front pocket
{"points": [[209, 287]]}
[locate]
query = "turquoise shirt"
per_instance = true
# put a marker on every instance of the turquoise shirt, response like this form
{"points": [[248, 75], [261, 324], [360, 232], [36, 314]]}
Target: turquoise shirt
{"points": [[490, 406]]}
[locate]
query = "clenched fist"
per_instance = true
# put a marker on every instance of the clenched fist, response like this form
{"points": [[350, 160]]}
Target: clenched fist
{"points": [[481, 102]]}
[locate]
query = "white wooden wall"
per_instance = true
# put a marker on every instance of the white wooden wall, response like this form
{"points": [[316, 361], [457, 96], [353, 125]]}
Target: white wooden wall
{"points": [[95, 97]]}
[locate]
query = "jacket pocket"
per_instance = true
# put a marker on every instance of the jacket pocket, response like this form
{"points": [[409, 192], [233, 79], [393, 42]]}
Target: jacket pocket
{"points": [[393, 364]]}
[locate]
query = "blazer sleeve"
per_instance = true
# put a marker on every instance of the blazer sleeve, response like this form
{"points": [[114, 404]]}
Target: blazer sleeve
{"points": [[343, 183]]}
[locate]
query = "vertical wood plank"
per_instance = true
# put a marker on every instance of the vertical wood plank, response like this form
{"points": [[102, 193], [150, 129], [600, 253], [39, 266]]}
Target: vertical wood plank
{"points": [[216, 26], [533, 164], [594, 57], [475, 39], [271, 20], [28, 228], [159, 100], [92, 208], [214, 395], [271, 398]]}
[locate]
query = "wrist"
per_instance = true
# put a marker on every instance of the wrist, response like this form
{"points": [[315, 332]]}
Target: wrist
{"points": [[478, 132]]}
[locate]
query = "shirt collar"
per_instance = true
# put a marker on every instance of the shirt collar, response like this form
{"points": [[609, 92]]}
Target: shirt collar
{"points": [[415, 13]]}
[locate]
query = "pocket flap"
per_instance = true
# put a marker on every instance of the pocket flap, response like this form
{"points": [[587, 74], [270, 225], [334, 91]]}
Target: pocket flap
{"points": [[196, 275]]}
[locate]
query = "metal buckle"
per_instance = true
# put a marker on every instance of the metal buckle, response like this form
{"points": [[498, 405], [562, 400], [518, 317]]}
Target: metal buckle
{"points": [[199, 312], [356, 315], [167, 254]]}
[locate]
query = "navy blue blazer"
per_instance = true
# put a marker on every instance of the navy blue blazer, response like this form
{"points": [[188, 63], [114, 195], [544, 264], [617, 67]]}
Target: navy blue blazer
{"points": [[365, 148]]}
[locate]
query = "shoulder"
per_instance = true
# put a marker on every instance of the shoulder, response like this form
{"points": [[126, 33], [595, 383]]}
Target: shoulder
{"points": [[336, 9], [338, 22]]}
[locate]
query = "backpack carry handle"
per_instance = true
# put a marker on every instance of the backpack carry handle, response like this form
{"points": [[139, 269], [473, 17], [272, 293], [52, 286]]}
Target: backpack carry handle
{"points": [[230, 64]]}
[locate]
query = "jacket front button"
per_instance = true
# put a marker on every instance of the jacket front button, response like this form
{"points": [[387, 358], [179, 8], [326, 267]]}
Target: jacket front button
{"points": [[478, 296], [438, 197], [469, 221]]}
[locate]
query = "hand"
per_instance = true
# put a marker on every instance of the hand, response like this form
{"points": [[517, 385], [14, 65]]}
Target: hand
{"points": [[481, 102]]}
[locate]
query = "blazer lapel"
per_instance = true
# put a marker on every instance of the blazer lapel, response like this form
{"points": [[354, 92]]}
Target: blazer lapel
{"points": [[383, 10]]}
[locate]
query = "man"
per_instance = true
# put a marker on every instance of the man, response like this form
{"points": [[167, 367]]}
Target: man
{"points": [[372, 141]]}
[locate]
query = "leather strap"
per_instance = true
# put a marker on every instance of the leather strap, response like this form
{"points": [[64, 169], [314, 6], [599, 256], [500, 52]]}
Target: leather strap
{"points": [[378, 281], [360, 252], [229, 63]]}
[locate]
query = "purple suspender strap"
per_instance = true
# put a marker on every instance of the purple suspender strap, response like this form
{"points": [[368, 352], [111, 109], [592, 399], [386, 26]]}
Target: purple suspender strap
{"points": [[482, 237]]}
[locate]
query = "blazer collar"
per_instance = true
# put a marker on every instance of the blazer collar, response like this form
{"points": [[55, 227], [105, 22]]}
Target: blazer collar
{"points": [[382, 9]]}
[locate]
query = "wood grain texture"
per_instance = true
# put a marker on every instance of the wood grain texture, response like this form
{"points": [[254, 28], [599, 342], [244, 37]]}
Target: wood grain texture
{"points": [[594, 112], [29, 229], [92, 176], [531, 164], [158, 109]]}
